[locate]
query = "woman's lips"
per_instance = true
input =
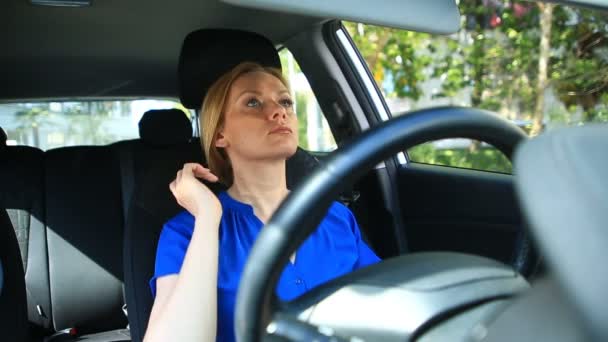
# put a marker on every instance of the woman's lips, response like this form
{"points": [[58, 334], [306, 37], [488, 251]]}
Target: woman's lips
{"points": [[281, 130]]}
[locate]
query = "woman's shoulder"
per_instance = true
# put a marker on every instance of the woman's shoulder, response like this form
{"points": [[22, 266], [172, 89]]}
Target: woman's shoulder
{"points": [[339, 215], [338, 208], [182, 223]]}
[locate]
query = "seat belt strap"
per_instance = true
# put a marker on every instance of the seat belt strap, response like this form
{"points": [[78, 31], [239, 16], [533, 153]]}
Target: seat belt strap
{"points": [[126, 178]]}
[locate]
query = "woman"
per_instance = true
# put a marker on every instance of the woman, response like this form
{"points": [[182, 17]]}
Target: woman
{"points": [[249, 130]]}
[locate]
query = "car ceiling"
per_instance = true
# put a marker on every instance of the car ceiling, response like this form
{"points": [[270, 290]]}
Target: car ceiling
{"points": [[114, 48]]}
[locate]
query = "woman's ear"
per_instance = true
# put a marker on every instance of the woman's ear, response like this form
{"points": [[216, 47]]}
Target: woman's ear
{"points": [[220, 140]]}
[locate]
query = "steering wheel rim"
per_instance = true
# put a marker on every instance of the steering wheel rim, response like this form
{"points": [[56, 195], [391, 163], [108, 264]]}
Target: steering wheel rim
{"points": [[304, 208]]}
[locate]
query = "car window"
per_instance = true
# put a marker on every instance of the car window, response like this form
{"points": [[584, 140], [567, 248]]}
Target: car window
{"points": [[541, 66], [49, 125], [313, 132]]}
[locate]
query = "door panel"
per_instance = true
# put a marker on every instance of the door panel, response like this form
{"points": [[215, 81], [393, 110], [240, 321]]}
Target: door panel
{"points": [[462, 210]]}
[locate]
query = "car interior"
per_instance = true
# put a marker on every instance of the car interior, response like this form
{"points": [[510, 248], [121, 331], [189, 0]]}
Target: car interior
{"points": [[80, 224]]}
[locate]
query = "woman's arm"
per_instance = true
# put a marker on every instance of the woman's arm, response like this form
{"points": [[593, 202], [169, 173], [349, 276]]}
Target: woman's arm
{"points": [[185, 306]]}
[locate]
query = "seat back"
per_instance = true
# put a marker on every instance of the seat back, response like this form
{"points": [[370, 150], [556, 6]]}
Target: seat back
{"points": [[22, 195], [150, 163], [13, 303], [65, 206], [84, 221]]}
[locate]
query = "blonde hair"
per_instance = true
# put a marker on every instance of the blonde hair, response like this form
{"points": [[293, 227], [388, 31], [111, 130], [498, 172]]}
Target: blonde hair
{"points": [[213, 115]]}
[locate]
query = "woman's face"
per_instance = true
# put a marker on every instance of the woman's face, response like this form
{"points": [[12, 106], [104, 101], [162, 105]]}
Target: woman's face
{"points": [[259, 119]]}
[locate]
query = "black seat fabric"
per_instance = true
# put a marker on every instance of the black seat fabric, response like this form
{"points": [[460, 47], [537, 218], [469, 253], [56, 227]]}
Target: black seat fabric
{"points": [[70, 238], [165, 127], [85, 234], [152, 165], [13, 302], [22, 195]]}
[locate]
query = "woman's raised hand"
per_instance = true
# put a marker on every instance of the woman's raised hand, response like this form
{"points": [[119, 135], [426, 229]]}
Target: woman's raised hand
{"points": [[193, 195]]}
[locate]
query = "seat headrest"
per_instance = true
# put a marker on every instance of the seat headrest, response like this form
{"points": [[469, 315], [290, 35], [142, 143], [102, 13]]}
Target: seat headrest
{"points": [[162, 127], [207, 54]]}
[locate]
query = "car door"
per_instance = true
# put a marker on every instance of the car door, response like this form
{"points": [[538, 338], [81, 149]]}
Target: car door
{"points": [[456, 194], [462, 203]]}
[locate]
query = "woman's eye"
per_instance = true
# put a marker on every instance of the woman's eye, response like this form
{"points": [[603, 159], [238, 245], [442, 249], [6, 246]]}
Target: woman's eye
{"points": [[287, 103], [253, 103]]}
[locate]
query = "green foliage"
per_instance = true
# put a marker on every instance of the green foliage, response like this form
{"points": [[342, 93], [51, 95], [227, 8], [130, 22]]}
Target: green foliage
{"points": [[397, 53], [486, 159], [496, 56], [301, 108], [31, 118], [580, 71], [496, 59], [287, 61], [87, 121]]}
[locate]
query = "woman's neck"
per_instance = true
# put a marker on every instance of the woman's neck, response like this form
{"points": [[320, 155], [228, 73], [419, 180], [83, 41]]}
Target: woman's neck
{"points": [[261, 184]]}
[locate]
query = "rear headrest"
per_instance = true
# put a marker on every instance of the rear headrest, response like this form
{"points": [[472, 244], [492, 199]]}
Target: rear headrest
{"points": [[207, 54], [162, 127]]}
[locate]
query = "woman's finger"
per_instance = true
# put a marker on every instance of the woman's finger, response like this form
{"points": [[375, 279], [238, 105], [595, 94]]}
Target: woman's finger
{"points": [[201, 172], [206, 175], [198, 168], [211, 177], [172, 187], [178, 176], [193, 166]]}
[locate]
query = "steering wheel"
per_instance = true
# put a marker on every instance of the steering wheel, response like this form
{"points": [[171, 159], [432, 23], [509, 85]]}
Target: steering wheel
{"points": [[397, 297]]}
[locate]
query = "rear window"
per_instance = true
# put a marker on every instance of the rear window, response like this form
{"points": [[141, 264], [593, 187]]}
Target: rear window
{"points": [[49, 125]]}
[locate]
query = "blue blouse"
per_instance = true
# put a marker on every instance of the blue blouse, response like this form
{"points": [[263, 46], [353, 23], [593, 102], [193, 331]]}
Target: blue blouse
{"points": [[334, 249]]}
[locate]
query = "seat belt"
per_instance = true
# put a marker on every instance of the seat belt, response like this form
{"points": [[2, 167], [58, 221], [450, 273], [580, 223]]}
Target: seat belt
{"points": [[126, 179]]}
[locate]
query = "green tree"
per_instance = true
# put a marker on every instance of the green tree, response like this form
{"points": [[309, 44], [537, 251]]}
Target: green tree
{"points": [[580, 68], [30, 119], [86, 123], [507, 55], [301, 110], [397, 54], [507, 52]]}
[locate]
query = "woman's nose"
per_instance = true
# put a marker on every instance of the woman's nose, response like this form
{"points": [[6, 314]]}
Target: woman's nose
{"points": [[277, 111]]}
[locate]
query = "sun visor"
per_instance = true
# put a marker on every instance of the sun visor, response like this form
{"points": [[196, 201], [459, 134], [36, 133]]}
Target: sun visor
{"points": [[432, 16]]}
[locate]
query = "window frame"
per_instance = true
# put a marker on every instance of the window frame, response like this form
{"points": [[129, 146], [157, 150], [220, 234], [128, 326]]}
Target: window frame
{"points": [[364, 76]]}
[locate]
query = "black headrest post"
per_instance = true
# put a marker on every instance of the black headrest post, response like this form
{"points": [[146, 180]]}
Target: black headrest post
{"points": [[207, 54]]}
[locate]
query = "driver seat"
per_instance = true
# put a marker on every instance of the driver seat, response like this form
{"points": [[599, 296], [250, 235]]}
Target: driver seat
{"points": [[206, 55]]}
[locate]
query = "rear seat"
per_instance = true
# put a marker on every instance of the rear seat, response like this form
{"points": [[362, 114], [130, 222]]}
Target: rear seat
{"points": [[85, 234], [22, 194], [73, 204], [68, 207], [13, 298], [65, 205], [13, 305]]}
